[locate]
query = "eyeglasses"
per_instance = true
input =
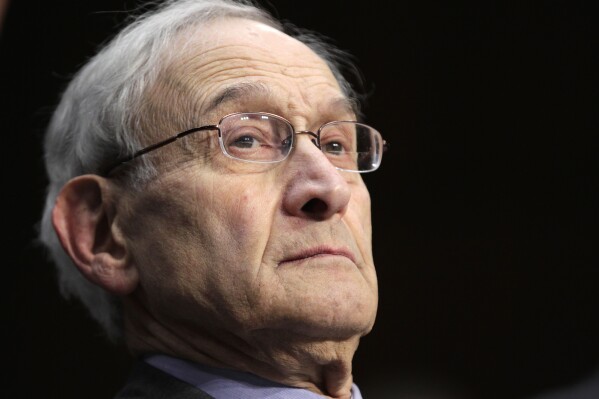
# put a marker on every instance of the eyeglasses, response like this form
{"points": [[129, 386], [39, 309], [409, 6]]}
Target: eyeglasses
{"points": [[260, 137]]}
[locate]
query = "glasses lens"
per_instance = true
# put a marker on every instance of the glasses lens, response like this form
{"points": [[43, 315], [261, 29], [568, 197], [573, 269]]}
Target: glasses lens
{"points": [[352, 146], [256, 137]]}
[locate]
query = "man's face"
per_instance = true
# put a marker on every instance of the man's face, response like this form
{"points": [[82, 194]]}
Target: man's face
{"points": [[223, 245]]}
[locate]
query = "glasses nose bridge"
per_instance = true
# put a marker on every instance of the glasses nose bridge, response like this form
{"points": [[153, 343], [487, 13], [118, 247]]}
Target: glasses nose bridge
{"points": [[315, 137]]}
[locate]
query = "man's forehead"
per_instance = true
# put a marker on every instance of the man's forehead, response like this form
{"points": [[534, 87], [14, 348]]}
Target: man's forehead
{"points": [[240, 30], [237, 61], [235, 31], [257, 92]]}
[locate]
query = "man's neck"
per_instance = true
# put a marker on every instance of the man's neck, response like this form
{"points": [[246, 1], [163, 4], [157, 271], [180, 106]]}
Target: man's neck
{"points": [[229, 384], [323, 366]]}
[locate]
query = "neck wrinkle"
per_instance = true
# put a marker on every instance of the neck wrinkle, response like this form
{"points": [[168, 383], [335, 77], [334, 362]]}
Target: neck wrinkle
{"points": [[322, 366]]}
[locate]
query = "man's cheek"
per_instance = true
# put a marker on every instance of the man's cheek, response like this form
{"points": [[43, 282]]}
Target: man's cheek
{"points": [[246, 211]]}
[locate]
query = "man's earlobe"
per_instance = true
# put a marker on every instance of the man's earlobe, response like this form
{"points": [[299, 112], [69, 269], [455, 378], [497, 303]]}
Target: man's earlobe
{"points": [[85, 222]]}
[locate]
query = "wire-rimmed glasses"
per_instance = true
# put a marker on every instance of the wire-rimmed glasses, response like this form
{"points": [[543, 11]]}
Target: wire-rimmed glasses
{"points": [[261, 137]]}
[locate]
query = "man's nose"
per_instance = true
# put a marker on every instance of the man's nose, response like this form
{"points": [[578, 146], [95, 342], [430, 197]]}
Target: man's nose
{"points": [[315, 189]]}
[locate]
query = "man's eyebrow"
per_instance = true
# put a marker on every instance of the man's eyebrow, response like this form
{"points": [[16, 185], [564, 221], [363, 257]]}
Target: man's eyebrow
{"points": [[345, 105], [248, 90], [236, 92]]}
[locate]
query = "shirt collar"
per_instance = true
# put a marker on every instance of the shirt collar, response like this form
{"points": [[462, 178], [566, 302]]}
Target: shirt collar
{"points": [[229, 384]]}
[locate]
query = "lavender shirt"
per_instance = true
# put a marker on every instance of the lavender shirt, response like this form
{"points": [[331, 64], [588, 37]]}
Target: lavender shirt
{"points": [[228, 384]]}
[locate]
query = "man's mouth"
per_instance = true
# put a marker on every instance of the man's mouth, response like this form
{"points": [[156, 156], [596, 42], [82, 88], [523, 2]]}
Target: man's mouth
{"points": [[321, 250]]}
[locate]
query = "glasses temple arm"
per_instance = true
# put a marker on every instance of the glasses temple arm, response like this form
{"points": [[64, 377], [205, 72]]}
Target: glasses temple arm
{"points": [[108, 170]]}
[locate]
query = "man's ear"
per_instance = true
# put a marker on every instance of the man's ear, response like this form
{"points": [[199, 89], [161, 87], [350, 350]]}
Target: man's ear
{"points": [[85, 222]]}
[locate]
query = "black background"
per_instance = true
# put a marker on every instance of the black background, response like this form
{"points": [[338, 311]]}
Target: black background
{"points": [[485, 210]]}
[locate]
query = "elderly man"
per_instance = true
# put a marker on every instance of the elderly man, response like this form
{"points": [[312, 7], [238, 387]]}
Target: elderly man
{"points": [[205, 182]]}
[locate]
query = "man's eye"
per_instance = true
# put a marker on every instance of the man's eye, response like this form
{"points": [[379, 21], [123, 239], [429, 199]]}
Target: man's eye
{"points": [[244, 142], [286, 143], [333, 147]]}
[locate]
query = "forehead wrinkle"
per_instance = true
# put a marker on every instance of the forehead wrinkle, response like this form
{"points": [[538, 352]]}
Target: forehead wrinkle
{"points": [[237, 92], [324, 105], [209, 66], [344, 105], [193, 102], [237, 56], [196, 84], [240, 56]]}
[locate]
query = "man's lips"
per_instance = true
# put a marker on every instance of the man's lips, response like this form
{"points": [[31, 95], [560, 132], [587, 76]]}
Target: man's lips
{"points": [[319, 251]]}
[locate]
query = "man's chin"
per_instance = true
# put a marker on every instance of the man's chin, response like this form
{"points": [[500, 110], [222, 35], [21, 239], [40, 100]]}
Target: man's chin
{"points": [[314, 328]]}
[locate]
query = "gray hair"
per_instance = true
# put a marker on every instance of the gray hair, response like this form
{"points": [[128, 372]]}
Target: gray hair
{"points": [[101, 110]]}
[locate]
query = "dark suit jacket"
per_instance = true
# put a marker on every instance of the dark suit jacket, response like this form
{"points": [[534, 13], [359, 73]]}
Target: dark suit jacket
{"points": [[148, 382]]}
